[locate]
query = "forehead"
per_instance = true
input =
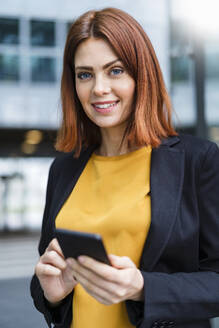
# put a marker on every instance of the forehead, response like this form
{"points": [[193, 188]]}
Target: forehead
{"points": [[94, 52]]}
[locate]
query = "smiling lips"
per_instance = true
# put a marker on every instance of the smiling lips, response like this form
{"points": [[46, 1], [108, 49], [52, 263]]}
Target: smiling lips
{"points": [[105, 106]]}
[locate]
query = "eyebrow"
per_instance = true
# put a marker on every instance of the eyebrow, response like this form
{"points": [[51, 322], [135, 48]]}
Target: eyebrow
{"points": [[90, 68]]}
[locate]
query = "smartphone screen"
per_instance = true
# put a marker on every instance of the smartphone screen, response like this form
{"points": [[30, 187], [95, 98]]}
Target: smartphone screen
{"points": [[76, 243]]}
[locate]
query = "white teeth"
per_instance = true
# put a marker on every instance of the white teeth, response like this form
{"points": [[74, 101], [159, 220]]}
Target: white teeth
{"points": [[105, 105]]}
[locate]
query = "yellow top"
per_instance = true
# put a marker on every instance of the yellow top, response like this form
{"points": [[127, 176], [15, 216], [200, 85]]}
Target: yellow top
{"points": [[111, 197]]}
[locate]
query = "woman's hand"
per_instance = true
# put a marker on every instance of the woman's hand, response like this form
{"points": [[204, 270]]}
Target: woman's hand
{"points": [[55, 274], [109, 284]]}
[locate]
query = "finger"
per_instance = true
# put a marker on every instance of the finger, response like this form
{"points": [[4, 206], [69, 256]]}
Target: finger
{"points": [[100, 294], [101, 300], [121, 262], [69, 268], [117, 291], [46, 270], [54, 245], [92, 277], [53, 258], [103, 270], [69, 275]]}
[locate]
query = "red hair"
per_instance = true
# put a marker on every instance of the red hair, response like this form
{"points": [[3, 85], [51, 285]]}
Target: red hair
{"points": [[150, 120]]}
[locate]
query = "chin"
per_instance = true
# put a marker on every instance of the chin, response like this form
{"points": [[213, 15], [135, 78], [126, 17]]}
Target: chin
{"points": [[107, 124]]}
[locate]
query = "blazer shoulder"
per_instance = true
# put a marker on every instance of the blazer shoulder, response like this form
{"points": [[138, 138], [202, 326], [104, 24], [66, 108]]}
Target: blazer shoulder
{"points": [[197, 150], [195, 144], [66, 162], [63, 160]]}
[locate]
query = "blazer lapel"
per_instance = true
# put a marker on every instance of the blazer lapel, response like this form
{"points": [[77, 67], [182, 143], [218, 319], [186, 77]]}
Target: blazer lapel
{"points": [[167, 173], [68, 181]]}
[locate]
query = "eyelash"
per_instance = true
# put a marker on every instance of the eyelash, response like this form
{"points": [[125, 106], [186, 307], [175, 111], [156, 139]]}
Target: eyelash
{"points": [[80, 75], [117, 69]]}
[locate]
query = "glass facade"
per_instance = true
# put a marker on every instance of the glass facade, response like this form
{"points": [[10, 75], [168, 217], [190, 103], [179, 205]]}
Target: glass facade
{"points": [[9, 67], [43, 69], [42, 33], [212, 86], [186, 61], [181, 74], [31, 53], [9, 31], [33, 59], [212, 60], [179, 69], [180, 45]]}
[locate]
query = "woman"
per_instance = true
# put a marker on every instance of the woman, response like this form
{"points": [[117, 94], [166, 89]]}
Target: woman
{"points": [[152, 194]]}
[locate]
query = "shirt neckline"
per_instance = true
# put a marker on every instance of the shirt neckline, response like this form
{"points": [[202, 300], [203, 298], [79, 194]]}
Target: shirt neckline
{"points": [[123, 156]]}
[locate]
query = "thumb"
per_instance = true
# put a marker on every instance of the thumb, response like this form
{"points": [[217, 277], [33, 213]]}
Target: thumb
{"points": [[121, 262]]}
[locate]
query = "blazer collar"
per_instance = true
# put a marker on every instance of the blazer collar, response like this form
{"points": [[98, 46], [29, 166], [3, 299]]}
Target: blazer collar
{"points": [[170, 141]]}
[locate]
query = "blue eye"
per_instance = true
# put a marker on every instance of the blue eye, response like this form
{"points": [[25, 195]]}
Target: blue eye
{"points": [[84, 75], [116, 71]]}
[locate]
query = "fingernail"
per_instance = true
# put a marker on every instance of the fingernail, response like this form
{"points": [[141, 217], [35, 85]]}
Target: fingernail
{"points": [[81, 259], [68, 260], [71, 261]]}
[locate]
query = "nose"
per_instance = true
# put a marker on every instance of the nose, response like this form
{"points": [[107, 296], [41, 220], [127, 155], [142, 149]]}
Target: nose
{"points": [[101, 86]]}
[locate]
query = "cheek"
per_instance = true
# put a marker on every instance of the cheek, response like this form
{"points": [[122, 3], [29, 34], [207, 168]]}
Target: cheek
{"points": [[126, 88], [82, 93]]}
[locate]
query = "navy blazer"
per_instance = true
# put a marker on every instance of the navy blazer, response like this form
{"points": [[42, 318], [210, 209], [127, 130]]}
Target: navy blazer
{"points": [[180, 259]]}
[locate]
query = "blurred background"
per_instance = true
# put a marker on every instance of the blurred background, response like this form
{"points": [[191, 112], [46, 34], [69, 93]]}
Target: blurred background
{"points": [[185, 35]]}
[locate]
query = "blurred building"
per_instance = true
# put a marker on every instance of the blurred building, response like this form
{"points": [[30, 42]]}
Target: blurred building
{"points": [[185, 34], [32, 38]]}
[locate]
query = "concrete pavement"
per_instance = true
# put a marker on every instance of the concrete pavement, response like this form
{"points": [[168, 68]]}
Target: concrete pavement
{"points": [[16, 306], [18, 256]]}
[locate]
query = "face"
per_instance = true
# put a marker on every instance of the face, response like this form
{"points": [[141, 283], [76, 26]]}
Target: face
{"points": [[103, 86]]}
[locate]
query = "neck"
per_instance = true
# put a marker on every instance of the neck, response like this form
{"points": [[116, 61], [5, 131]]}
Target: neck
{"points": [[110, 145]]}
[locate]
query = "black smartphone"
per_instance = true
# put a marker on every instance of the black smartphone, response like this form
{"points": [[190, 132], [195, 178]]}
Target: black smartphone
{"points": [[75, 243]]}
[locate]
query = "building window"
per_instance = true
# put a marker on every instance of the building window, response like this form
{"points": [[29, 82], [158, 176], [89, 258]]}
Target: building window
{"points": [[212, 60], [180, 69], [180, 43], [9, 67], [42, 33], [43, 69], [9, 31], [180, 37]]}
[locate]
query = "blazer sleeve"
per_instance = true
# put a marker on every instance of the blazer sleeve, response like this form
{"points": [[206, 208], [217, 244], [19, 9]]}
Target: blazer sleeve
{"points": [[58, 315], [185, 297]]}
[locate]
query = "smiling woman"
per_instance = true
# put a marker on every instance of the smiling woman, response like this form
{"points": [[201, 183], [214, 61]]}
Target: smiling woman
{"points": [[144, 105], [150, 193]]}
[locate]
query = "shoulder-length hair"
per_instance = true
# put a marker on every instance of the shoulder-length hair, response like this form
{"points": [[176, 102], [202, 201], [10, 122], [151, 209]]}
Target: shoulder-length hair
{"points": [[150, 119]]}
